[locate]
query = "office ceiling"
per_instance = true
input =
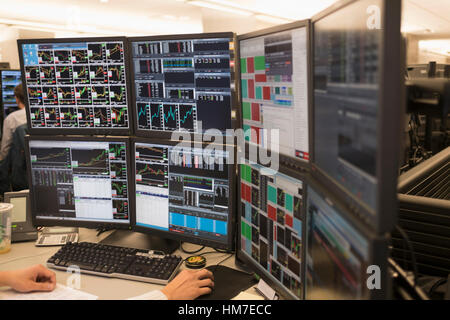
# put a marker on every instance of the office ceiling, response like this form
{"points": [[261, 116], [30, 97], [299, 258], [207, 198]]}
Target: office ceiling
{"points": [[165, 16]]}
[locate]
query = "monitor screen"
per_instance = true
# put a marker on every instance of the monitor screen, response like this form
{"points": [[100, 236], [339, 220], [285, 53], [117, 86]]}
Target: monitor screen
{"points": [[337, 254], [19, 211], [79, 181], [271, 225], [9, 80], [76, 85], [347, 73], [179, 84], [186, 193], [274, 89]]}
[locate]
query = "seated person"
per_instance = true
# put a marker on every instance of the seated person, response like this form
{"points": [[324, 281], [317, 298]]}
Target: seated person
{"points": [[187, 285], [12, 121]]}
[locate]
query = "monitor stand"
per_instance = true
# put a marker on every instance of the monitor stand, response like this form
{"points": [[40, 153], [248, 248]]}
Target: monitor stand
{"points": [[132, 239]]}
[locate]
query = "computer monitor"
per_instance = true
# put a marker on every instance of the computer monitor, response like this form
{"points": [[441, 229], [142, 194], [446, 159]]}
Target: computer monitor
{"points": [[184, 193], [275, 78], [79, 181], [180, 81], [344, 260], [9, 79], [76, 85], [358, 105], [271, 221]]}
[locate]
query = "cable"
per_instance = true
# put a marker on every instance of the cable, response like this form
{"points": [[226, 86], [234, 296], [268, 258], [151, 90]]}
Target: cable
{"points": [[222, 251], [190, 252], [436, 285], [411, 250], [102, 230]]}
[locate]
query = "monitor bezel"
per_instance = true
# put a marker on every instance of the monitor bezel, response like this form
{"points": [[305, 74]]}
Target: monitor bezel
{"points": [[378, 244], [39, 221], [252, 264], [383, 217], [160, 134], [2, 111], [78, 131], [287, 160], [231, 227]]}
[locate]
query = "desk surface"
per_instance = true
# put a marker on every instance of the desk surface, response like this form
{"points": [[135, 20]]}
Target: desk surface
{"points": [[26, 254]]}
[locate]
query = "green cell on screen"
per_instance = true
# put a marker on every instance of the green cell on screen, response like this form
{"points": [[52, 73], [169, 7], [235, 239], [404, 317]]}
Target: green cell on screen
{"points": [[258, 93], [244, 88], [247, 132], [246, 110], [272, 194], [260, 63], [246, 230], [243, 65], [289, 202]]}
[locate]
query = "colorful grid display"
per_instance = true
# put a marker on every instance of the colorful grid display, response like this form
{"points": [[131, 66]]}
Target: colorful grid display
{"points": [[271, 224]]}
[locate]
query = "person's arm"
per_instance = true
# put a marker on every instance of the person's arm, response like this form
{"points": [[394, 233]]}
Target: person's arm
{"points": [[6, 138], [189, 284], [35, 278]]}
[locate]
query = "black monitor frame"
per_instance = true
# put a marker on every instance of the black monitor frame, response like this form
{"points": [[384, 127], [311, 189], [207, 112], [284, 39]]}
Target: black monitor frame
{"points": [[256, 267], [231, 226], [378, 244], [2, 111], [79, 131], [159, 134], [390, 113], [73, 223], [287, 160]]}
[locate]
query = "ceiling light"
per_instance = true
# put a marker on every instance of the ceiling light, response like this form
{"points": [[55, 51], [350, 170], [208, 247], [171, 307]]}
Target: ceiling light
{"points": [[270, 19], [214, 6]]}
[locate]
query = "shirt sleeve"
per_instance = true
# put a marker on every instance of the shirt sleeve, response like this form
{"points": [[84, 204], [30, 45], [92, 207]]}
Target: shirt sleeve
{"points": [[6, 138], [152, 295]]}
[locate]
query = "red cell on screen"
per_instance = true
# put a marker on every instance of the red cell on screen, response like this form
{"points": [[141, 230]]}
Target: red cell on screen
{"points": [[266, 93], [272, 212], [288, 220], [251, 65], [243, 191], [256, 115], [251, 88], [255, 135], [260, 78]]}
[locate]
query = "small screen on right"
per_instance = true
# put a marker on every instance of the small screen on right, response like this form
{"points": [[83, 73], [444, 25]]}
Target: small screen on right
{"points": [[274, 85], [337, 254], [346, 98], [10, 79]]}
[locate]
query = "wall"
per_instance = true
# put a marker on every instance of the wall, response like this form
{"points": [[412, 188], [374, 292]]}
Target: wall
{"points": [[8, 42]]}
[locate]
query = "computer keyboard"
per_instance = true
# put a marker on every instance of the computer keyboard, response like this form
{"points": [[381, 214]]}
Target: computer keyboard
{"points": [[116, 262]]}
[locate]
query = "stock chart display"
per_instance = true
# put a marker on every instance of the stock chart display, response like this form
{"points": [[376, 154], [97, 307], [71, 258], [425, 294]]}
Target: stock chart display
{"points": [[180, 83], [337, 255], [346, 99], [274, 90], [271, 224], [187, 189], [80, 180], [9, 80], [76, 85]]}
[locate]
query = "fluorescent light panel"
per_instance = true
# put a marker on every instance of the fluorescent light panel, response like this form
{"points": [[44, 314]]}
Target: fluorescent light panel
{"points": [[219, 7]]}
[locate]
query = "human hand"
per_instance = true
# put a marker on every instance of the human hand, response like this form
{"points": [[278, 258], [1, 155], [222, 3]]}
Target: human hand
{"points": [[189, 284], [35, 278]]}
